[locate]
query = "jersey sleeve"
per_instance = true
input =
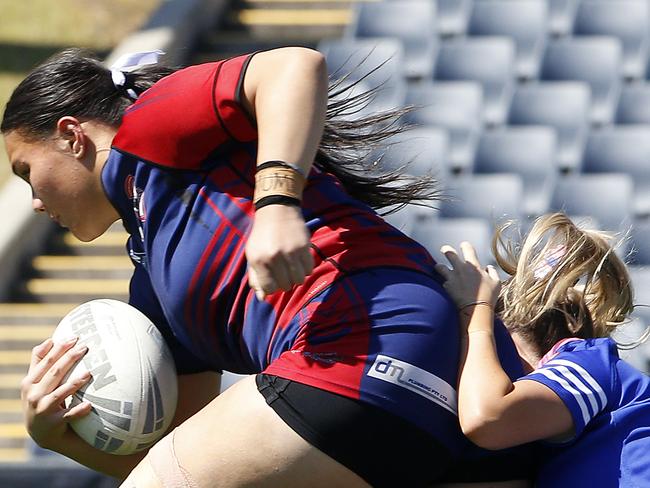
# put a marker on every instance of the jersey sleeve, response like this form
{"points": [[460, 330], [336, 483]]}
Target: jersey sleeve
{"points": [[188, 116], [583, 378], [142, 297]]}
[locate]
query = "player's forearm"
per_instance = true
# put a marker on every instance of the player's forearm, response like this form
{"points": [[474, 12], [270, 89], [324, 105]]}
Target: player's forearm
{"points": [[483, 385], [290, 102], [78, 450]]}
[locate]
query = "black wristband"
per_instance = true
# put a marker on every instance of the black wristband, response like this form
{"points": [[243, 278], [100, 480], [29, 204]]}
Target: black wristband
{"points": [[279, 164], [276, 200]]}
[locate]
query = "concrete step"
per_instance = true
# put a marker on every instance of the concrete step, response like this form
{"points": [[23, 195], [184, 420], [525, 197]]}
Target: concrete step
{"points": [[78, 290], [84, 266], [35, 312], [110, 244], [13, 455]]}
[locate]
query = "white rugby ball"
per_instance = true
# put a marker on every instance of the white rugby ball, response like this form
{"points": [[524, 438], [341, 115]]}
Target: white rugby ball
{"points": [[133, 389]]}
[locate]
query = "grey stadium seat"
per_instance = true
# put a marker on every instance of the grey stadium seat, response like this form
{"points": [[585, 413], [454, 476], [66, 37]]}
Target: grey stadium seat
{"points": [[633, 104], [489, 61], [561, 14], [379, 62], [435, 233], [606, 196], [622, 149], [628, 20], [529, 151], [491, 197], [593, 60], [418, 151], [413, 22], [639, 243], [455, 106], [524, 21], [562, 105], [410, 217]]}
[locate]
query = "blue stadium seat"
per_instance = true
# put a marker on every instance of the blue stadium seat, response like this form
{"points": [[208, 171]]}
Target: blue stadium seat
{"points": [[639, 243], [593, 60], [524, 21], [491, 197], [622, 149], [529, 151], [562, 105], [561, 14], [633, 104], [453, 16], [455, 106], [413, 22], [376, 62], [628, 20], [418, 151], [489, 61], [435, 233], [641, 283], [630, 333], [410, 217], [606, 196]]}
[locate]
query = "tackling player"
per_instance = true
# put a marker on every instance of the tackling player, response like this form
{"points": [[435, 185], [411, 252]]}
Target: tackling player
{"points": [[566, 293]]}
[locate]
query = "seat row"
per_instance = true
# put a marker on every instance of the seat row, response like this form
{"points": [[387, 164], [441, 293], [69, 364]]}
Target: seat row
{"points": [[528, 23]]}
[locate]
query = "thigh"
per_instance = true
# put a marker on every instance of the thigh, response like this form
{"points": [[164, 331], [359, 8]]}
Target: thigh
{"points": [[238, 440]]}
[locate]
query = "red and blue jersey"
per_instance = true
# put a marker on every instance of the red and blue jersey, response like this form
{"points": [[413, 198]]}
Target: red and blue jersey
{"points": [[609, 401], [181, 173], [371, 321]]}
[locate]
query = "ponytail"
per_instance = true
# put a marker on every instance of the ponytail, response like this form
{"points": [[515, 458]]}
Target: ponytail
{"points": [[72, 82]]}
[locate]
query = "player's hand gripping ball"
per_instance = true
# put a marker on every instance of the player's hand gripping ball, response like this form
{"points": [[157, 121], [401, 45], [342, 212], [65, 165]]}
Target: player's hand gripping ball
{"points": [[133, 390]]}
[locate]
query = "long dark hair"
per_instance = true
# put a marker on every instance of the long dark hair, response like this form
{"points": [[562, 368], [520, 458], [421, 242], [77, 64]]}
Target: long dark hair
{"points": [[75, 82]]}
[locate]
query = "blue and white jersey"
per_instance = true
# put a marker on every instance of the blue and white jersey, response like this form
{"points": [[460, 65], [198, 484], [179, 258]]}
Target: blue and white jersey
{"points": [[609, 401]]}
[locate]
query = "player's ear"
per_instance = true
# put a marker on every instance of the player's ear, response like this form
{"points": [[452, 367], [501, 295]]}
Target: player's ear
{"points": [[71, 135]]}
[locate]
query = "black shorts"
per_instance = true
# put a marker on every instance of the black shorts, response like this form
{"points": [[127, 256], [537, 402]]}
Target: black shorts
{"points": [[384, 450]]}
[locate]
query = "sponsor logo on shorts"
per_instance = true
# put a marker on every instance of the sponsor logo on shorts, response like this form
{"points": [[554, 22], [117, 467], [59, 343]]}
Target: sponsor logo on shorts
{"points": [[415, 379]]}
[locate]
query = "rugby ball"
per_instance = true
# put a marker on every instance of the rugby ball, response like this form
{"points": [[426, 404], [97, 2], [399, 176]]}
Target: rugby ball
{"points": [[133, 388]]}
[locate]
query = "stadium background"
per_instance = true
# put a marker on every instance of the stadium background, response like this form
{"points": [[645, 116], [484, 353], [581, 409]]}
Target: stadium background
{"points": [[525, 106]]}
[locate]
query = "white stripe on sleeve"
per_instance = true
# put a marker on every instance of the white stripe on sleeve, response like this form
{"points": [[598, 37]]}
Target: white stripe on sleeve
{"points": [[551, 375], [584, 374]]}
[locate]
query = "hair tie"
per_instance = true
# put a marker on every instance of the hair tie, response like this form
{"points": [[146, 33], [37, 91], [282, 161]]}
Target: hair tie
{"points": [[128, 62]]}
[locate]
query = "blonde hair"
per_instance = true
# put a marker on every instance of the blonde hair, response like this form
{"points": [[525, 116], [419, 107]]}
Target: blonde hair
{"points": [[564, 282]]}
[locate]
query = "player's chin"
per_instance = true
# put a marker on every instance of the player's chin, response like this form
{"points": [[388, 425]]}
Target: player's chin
{"points": [[86, 233]]}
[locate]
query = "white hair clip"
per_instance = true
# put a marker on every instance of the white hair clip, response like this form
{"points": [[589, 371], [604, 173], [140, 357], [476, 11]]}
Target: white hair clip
{"points": [[129, 62]]}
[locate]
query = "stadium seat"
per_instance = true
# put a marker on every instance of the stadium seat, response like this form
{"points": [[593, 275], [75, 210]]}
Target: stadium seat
{"points": [[641, 284], [561, 14], [410, 217], [454, 106], [639, 243], [413, 22], [371, 63], [453, 16], [606, 196], [435, 233], [524, 21], [633, 104], [491, 197], [628, 20], [561, 105], [622, 149], [593, 60], [529, 151], [418, 151], [629, 333], [489, 61]]}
